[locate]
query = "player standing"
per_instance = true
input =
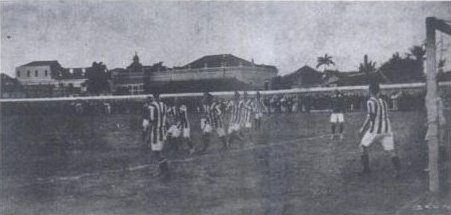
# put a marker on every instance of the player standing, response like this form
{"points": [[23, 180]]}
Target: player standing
{"points": [[145, 116], [377, 128], [236, 106], [212, 119], [174, 131], [183, 124], [259, 107], [157, 132], [337, 116], [246, 116]]}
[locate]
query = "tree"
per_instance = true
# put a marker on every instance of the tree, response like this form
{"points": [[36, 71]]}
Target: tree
{"points": [[367, 66], [418, 52], [402, 70], [98, 78], [325, 61]]}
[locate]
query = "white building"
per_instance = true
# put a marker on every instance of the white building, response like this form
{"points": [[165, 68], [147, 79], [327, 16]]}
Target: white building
{"points": [[48, 79]]}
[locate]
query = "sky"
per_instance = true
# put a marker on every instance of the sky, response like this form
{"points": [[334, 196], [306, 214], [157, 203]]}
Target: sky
{"points": [[288, 35]]}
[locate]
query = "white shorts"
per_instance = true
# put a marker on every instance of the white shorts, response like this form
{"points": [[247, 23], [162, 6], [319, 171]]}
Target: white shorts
{"points": [[158, 146], [145, 123], [186, 133], [221, 132], [386, 139], [258, 115], [234, 127], [208, 129], [248, 125], [337, 118], [175, 132]]}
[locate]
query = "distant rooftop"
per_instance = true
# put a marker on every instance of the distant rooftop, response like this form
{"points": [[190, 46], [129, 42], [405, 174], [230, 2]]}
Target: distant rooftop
{"points": [[227, 60], [43, 63]]}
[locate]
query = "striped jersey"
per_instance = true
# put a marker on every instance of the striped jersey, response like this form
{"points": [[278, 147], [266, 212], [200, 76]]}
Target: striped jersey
{"points": [[178, 116], [258, 106], [157, 118], [171, 116], [182, 116], [378, 113], [246, 112], [237, 107], [213, 114]]}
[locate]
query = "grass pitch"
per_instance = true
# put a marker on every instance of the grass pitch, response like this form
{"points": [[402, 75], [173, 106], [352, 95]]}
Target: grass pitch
{"points": [[96, 165]]}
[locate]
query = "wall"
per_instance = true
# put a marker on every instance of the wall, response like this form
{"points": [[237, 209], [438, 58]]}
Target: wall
{"points": [[256, 75], [41, 77]]}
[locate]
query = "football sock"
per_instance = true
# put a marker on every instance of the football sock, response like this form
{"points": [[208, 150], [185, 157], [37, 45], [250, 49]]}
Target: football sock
{"points": [[205, 140], [231, 138], [365, 162], [224, 142], [333, 128], [396, 162], [341, 128], [189, 143]]}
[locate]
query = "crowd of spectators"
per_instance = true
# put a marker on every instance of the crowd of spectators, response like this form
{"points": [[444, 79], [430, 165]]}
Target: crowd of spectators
{"points": [[399, 100]]}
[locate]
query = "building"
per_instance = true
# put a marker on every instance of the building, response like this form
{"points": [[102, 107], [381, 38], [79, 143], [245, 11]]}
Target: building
{"points": [[227, 68], [224, 66], [129, 80], [305, 77], [11, 87], [40, 72], [50, 79]]}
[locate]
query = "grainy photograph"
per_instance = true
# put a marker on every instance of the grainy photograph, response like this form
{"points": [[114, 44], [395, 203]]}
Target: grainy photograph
{"points": [[225, 107]]}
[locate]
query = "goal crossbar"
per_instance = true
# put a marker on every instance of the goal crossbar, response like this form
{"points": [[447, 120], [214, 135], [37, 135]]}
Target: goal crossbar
{"points": [[228, 93]]}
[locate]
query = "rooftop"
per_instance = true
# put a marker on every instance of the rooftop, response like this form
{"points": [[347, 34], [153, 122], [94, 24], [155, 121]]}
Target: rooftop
{"points": [[43, 63], [227, 60]]}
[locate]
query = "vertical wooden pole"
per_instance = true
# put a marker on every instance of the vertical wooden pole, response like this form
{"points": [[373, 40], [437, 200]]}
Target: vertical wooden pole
{"points": [[431, 104]]}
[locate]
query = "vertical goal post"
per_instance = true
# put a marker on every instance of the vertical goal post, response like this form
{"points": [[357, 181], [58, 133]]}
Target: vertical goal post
{"points": [[433, 24]]}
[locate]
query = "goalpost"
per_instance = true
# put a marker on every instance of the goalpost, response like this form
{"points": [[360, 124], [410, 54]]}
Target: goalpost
{"points": [[433, 24]]}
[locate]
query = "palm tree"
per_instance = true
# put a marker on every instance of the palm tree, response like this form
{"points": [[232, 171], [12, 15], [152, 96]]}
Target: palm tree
{"points": [[325, 61], [367, 66]]}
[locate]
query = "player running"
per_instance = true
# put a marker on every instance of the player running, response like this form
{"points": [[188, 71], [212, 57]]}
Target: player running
{"points": [[337, 116], [156, 116], [377, 128], [212, 118]]}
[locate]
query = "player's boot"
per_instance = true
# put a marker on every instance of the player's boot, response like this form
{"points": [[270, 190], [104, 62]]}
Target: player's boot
{"points": [[341, 136]]}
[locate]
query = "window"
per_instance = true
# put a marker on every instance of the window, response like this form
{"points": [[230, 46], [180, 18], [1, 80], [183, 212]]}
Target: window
{"points": [[28, 73], [36, 73], [18, 74], [46, 73]]}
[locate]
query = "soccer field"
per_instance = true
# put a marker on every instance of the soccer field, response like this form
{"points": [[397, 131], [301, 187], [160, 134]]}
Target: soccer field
{"points": [[95, 165]]}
